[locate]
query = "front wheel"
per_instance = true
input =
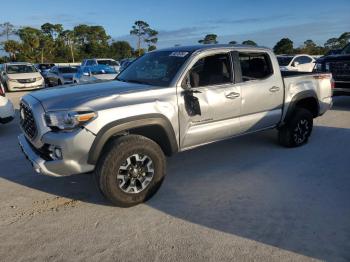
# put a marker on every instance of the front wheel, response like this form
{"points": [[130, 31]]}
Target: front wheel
{"points": [[130, 170], [297, 130]]}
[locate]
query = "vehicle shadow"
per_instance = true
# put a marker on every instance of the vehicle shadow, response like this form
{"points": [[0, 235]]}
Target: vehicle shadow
{"points": [[293, 199]]}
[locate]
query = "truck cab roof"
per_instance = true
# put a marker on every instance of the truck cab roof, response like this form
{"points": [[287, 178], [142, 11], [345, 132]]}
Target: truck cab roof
{"points": [[196, 48]]}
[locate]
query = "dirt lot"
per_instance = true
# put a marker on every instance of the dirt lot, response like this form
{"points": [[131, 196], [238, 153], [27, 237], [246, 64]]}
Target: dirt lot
{"points": [[240, 200]]}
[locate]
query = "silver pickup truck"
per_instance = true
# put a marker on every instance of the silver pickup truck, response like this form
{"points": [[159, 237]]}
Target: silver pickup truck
{"points": [[165, 102]]}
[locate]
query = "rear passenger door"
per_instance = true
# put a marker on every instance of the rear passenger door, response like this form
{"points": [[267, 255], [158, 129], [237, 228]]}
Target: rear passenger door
{"points": [[262, 92]]}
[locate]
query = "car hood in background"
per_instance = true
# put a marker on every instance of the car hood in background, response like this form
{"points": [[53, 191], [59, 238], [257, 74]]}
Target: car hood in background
{"points": [[67, 75], [74, 96], [24, 75], [105, 76]]}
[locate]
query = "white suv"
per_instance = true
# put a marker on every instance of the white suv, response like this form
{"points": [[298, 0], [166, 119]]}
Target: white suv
{"points": [[7, 112], [301, 63], [102, 61], [18, 76]]}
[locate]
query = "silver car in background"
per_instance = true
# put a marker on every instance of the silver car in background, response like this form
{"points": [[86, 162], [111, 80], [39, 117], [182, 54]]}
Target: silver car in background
{"points": [[88, 74], [61, 75]]}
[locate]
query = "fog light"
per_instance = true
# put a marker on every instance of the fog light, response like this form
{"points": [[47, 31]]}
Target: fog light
{"points": [[56, 152]]}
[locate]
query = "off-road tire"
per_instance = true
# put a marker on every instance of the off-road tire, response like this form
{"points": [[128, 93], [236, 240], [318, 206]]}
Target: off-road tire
{"points": [[115, 155], [297, 130]]}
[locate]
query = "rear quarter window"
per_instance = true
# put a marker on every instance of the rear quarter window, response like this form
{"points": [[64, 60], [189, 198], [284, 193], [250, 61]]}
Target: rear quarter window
{"points": [[255, 66]]}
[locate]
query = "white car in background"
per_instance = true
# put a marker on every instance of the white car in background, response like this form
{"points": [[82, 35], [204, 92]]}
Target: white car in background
{"points": [[88, 74], [18, 76], [300, 63], [102, 61], [7, 112]]}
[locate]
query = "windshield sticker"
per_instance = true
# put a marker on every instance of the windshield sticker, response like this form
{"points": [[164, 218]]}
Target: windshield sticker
{"points": [[179, 54]]}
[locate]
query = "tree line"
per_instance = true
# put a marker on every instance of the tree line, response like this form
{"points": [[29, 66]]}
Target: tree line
{"points": [[53, 43], [286, 46]]}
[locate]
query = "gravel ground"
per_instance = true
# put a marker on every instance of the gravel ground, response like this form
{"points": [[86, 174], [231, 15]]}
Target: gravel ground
{"points": [[239, 200]]}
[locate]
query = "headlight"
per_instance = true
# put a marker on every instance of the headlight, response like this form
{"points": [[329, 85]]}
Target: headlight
{"points": [[66, 120], [12, 80], [38, 78]]}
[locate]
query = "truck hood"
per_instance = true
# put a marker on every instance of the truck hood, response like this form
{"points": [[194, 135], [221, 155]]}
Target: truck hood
{"points": [[329, 58], [69, 97]]}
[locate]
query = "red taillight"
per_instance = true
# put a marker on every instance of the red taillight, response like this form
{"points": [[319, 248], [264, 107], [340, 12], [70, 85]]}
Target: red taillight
{"points": [[332, 83], [2, 91]]}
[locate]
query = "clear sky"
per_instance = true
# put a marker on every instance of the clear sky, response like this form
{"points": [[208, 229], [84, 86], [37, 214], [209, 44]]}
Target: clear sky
{"points": [[185, 22]]}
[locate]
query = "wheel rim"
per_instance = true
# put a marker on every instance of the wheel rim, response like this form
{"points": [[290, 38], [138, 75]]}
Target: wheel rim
{"points": [[301, 131], [135, 174]]}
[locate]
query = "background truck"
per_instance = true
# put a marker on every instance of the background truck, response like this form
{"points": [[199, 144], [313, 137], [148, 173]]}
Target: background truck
{"points": [[338, 65], [166, 101]]}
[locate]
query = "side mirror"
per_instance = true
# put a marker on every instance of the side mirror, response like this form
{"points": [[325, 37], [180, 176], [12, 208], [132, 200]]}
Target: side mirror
{"points": [[192, 105], [295, 64]]}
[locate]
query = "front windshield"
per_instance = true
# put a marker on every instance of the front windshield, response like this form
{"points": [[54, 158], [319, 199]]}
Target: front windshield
{"points": [[19, 69], [101, 70], [284, 60], [46, 66], [67, 70], [107, 62], [154, 68], [346, 50]]}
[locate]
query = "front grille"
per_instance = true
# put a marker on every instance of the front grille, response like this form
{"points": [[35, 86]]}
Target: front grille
{"points": [[339, 69], [27, 121], [26, 81]]}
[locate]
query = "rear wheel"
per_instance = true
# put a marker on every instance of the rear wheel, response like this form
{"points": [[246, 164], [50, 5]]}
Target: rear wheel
{"points": [[297, 130], [130, 170]]}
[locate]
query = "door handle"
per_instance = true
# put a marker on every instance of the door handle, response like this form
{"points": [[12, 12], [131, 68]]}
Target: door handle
{"points": [[274, 89], [232, 95]]}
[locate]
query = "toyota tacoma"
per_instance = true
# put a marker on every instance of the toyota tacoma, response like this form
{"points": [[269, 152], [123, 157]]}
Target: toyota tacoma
{"points": [[166, 101]]}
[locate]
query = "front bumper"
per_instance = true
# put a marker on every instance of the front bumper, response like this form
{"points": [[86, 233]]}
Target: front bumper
{"points": [[16, 86], [7, 112], [37, 162], [74, 146], [341, 88]]}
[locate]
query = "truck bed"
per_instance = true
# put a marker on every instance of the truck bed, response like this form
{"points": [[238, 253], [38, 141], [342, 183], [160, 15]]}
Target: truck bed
{"points": [[295, 73]]}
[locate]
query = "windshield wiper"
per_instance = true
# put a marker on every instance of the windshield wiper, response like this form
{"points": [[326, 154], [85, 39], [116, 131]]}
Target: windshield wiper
{"points": [[133, 81]]}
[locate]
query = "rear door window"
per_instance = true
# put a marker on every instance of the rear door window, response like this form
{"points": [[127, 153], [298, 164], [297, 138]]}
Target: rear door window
{"points": [[255, 66]]}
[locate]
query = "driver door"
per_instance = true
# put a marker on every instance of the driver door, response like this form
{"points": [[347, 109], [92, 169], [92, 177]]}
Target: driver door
{"points": [[209, 101]]}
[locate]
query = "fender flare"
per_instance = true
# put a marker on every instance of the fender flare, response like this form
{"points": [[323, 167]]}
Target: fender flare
{"points": [[121, 126], [298, 97]]}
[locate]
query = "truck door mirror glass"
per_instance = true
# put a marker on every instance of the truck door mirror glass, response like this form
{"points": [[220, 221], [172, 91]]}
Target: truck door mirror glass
{"points": [[192, 105]]}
